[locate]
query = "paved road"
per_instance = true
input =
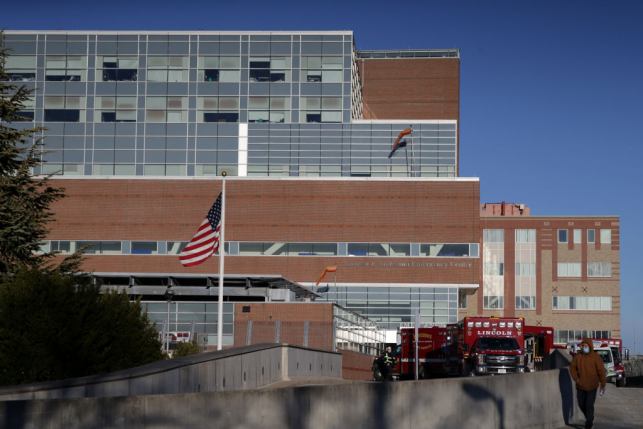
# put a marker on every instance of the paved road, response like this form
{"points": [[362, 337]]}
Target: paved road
{"points": [[619, 408]]}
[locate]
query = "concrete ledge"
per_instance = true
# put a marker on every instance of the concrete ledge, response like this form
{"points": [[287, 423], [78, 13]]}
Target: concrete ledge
{"points": [[239, 368], [534, 400]]}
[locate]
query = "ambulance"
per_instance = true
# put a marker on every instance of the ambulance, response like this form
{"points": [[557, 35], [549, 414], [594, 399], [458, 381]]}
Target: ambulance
{"points": [[488, 346]]}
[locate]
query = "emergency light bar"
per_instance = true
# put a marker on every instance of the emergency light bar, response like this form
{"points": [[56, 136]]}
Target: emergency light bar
{"points": [[502, 324], [510, 324]]}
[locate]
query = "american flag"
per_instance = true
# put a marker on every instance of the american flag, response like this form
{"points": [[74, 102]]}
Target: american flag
{"points": [[206, 240]]}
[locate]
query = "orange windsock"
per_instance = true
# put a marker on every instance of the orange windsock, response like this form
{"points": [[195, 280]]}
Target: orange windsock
{"points": [[402, 134], [326, 270]]}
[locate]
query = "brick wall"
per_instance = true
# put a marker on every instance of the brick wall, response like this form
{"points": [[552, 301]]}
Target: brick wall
{"points": [[548, 284], [356, 366], [276, 210], [292, 317], [405, 88]]}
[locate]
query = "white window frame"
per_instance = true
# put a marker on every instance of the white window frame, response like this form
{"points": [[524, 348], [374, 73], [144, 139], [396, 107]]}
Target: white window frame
{"points": [[606, 236], [564, 269], [602, 267], [593, 232]]}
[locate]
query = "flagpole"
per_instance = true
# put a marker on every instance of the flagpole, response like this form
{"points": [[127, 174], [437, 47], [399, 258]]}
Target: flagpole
{"points": [[413, 172], [221, 254]]}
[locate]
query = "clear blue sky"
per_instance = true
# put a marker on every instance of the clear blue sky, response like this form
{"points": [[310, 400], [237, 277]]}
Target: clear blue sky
{"points": [[551, 91]]}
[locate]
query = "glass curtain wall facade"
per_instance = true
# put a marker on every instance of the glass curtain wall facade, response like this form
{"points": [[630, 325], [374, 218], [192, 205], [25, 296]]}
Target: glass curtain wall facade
{"points": [[393, 305], [199, 103], [184, 313]]}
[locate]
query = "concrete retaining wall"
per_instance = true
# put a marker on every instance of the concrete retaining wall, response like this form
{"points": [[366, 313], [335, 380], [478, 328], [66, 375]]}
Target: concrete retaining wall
{"points": [[534, 400], [240, 368]]}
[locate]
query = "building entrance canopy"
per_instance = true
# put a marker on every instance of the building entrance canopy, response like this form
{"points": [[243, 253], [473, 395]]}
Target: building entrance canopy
{"points": [[190, 286]]}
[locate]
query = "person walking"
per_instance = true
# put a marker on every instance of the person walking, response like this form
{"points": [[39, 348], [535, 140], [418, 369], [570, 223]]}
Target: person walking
{"points": [[588, 372]]}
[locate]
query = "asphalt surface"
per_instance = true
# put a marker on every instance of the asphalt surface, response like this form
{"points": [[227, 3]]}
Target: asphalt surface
{"points": [[619, 408]]}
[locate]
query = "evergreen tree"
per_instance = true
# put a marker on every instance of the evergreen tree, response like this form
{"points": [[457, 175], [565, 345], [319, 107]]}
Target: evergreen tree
{"points": [[187, 348], [54, 322], [55, 326], [25, 200]]}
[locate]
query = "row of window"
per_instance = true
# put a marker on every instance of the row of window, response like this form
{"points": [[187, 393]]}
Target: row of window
{"points": [[596, 303], [605, 236], [599, 303], [176, 68], [565, 269], [529, 236], [232, 170], [594, 269], [432, 250], [562, 336], [175, 109]]}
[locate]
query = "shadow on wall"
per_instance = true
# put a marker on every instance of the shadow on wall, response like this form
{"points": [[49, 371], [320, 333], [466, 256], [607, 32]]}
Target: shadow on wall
{"points": [[480, 394], [566, 386]]}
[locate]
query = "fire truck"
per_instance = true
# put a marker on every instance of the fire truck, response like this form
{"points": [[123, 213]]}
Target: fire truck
{"points": [[487, 346], [474, 346], [433, 352], [539, 340]]}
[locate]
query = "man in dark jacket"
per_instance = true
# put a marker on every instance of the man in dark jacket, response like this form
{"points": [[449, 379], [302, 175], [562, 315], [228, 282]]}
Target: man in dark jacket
{"points": [[588, 371], [387, 363]]}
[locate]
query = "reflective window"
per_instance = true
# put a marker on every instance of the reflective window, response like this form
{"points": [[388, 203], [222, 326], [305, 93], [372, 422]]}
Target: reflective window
{"points": [[167, 69], [21, 68], [269, 69], [218, 109], [117, 69], [66, 68], [218, 69], [599, 269], [115, 109], [64, 109], [569, 269], [591, 236], [144, 248], [166, 109]]}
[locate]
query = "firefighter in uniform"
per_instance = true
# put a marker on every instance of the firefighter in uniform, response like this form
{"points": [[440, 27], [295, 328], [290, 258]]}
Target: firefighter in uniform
{"points": [[388, 361]]}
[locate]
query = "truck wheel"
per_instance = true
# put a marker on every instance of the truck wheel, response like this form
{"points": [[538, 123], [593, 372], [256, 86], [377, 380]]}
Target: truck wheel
{"points": [[620, 383], [377, 375], [469, 371]]}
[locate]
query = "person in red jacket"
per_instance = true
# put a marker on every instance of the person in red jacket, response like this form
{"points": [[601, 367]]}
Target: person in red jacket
{"points": [[588, 372]]}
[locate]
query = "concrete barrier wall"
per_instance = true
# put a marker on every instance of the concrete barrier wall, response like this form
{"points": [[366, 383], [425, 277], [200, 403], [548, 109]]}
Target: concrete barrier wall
{"points": [[241, 368], [534, 400]]}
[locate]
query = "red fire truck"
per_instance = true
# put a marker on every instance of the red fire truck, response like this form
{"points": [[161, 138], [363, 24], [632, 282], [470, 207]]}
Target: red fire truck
{"points": [[488, 345], [433, 348], [473, 346], [539, 340]]}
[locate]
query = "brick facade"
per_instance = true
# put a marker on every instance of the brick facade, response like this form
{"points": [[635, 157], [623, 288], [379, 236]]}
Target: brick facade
{"points": [[549, 254], [410, 88], [432, 211], [292, 317]]}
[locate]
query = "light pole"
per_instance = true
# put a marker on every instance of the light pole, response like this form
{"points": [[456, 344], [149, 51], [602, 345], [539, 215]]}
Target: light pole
{"points": [[169, 294]]}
